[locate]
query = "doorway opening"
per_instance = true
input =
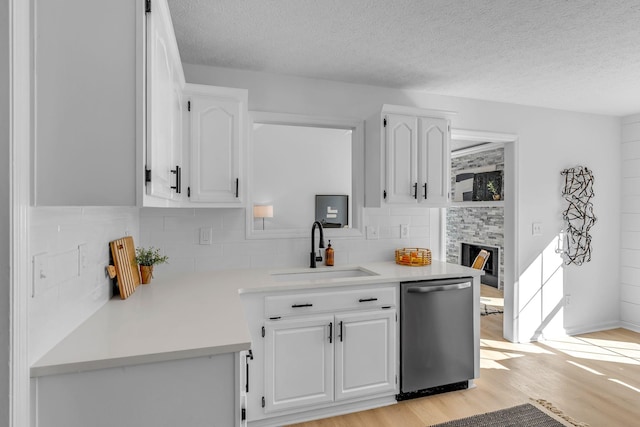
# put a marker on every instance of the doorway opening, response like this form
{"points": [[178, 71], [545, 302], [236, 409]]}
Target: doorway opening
{"points": [[474, 200]]}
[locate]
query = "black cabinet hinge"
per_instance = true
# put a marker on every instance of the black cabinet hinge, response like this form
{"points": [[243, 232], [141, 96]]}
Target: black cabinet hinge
{"points": [[384, 122], [188, 105], [263, 402], [147, 6], [263, 332], [243, 414], [147, 175]]}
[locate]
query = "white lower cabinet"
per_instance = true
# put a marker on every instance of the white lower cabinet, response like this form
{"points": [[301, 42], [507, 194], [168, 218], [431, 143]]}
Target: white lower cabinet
{"points": [[196, 392], [322, 352], [365, 353], [299, 362]]}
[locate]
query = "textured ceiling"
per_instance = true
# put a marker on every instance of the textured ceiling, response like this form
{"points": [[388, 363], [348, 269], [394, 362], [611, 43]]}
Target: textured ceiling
{"points": [[574, 55]]}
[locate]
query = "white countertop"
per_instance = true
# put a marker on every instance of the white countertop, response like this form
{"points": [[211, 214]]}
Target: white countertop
{"points": [[195, 315]]}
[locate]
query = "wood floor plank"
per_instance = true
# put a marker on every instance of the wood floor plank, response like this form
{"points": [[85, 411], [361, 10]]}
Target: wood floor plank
{"points": [[593, 378]]}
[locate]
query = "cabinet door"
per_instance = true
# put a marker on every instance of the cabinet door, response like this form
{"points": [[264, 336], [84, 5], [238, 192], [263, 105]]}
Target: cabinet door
{"points": [[298, 362], [165, 80], [365, 353], [215, 149], [433, 161], [401, 134]]}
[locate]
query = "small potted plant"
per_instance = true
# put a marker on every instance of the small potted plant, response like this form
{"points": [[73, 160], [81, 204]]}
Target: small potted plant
{"points": [[491, 186], [146, 259]]}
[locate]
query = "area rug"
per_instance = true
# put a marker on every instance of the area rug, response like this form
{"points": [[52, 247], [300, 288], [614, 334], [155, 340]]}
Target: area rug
{"points": [[525, 415]]}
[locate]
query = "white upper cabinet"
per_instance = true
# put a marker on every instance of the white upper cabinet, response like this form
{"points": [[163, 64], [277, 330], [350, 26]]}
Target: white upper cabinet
{"points": [[195, 134], [434, 161], [408, 157], [165, 82], [87, 69], [216, 122], [401, 137]]}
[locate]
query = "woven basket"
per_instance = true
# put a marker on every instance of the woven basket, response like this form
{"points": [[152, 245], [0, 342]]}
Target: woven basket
{"points": [[414, 257]]}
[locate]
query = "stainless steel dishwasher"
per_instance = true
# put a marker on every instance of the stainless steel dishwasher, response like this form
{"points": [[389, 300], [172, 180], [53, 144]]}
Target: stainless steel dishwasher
{"points": [[436, 336]]}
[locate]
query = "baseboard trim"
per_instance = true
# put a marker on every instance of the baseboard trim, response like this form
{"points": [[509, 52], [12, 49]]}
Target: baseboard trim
{"points": [[630, 326], [332, 411], [594, 328]]}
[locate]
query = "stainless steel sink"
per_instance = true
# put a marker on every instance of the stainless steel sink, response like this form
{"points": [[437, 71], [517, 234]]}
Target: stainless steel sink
{"points": [[322, 274]]}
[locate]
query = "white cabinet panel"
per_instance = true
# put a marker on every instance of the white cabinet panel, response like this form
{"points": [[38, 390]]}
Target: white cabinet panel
{"points": [[87, 100], [434, 161], [299, 362], [401, 133], [216, 121], [190, 392], [165, 81], [365, 353]]}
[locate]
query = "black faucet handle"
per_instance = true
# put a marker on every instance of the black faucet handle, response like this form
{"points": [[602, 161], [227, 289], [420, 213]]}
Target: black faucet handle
{"points": [[319, 256]]}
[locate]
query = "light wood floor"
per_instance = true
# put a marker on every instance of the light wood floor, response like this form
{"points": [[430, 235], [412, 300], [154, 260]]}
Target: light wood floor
{"points": [[593, 378]]}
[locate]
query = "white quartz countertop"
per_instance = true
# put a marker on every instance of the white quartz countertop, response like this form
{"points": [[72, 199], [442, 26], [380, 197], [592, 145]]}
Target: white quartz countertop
{"points": [[198, 314]]}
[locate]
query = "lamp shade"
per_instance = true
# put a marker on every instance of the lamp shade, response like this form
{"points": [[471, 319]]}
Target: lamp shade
{"points": [[263, 211]]}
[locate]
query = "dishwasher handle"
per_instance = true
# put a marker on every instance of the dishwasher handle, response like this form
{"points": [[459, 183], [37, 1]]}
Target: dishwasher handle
{"points": [[438, 288]]}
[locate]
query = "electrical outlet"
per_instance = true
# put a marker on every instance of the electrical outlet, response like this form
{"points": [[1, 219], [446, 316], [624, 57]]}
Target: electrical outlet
{"points": [[567, 300], [373, 232], [206, 235], [404, 231], [536, 229]]}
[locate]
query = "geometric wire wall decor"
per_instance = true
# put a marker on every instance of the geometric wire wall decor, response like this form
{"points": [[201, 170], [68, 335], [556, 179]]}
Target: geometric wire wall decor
{"points": [[579, 217]]}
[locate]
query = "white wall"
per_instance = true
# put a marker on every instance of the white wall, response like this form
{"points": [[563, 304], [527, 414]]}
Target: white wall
{"points": [[69, 294], [630, 224], [5, 207], [549, 141]]}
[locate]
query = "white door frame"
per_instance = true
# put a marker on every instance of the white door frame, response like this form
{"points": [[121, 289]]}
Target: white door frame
{"points": [[19, 201], [511, 269]]}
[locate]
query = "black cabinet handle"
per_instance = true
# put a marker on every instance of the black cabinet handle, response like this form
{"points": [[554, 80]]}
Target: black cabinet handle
{"points": [[248, 357], [425, 190], [301, 305], [340, 331], [330, 332], [178, 173], [237, 185], [367, 299], [415, 191]]}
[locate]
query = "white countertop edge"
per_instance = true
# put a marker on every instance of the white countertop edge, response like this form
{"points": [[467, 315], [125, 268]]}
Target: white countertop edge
{"points": [[119, 362]]}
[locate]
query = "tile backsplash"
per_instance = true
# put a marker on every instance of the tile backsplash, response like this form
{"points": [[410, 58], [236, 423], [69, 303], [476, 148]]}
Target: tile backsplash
{"points": [[70, 250], [176, 233]]}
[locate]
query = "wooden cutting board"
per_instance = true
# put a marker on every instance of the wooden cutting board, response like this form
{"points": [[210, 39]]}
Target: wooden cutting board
{"points": [[126, 269]]}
